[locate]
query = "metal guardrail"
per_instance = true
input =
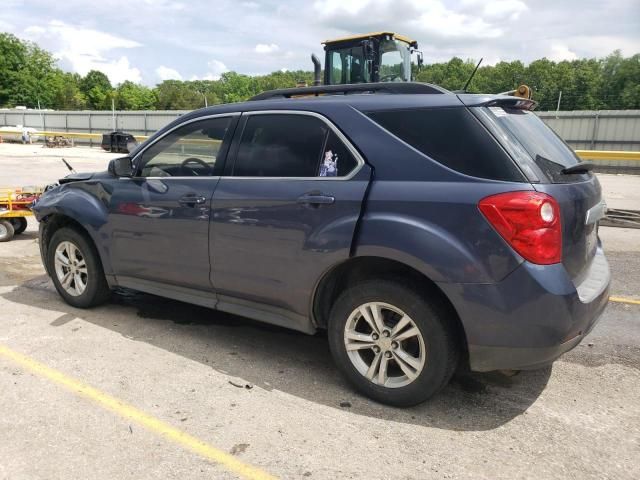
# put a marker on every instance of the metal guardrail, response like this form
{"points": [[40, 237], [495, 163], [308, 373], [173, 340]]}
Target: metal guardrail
{"points": [[607, 155], [621, 218]]}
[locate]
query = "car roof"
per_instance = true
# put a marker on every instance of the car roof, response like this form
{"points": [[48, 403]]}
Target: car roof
{"points": [[326, 104], [360, 101]]}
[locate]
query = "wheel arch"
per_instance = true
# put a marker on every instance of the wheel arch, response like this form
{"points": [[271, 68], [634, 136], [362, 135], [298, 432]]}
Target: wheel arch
{"points": [[70, 205], [53, 222], [356, 269]]}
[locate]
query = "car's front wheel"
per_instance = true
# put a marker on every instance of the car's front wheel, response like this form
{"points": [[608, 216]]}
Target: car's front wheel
{"points": [[393, 343], [76, 269]]}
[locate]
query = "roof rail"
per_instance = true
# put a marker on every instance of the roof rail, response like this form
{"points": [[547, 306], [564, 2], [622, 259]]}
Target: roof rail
{"points": [[382, 87]]}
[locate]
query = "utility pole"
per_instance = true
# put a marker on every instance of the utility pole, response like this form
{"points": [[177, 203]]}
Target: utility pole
{"points": [[113, 114], [559, 100]]}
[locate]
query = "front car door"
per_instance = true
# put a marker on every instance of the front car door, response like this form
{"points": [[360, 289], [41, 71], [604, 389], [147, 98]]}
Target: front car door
{"points": [[284, 214], [159, 218]]}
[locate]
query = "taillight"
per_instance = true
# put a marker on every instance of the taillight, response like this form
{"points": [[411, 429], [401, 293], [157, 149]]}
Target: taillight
{"points": [[529, 222]]}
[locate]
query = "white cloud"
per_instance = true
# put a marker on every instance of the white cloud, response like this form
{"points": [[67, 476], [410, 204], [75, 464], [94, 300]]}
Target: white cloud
{"points": [[496, 10], [168, 73], [216, 68], [415, 17], [560, 52], [267, 48], [84, 49]]}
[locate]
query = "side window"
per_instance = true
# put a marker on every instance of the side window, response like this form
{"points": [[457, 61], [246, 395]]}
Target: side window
{"points": [[288, 145], [336, 68], [280, 145], [191, 150], [452, 137], [337, 160]]}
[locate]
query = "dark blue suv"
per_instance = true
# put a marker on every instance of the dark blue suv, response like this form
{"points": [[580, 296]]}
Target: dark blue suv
{"points": [[423, 229]]}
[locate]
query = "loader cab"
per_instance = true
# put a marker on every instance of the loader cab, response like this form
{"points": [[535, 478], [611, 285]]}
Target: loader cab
{"points": [[369, 58]]}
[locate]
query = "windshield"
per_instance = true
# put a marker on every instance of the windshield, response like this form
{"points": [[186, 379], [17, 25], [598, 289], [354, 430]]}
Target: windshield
{"points": [[395, 61], [347, 65], [523, 134]]}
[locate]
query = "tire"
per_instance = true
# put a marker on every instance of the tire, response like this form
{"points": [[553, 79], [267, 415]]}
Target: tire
{"points": [[73, 245], [6, 230], [432, 343], [19, 224]]}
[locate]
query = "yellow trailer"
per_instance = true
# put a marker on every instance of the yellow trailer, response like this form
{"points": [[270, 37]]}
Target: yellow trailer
{"points": [[15, 207]]}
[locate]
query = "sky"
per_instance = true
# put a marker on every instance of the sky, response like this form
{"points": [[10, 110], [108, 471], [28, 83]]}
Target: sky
{"points": [[148, 41]]}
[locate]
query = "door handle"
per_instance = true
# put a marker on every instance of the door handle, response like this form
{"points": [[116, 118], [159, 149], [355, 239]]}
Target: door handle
{"points": [[316, 199], [191, 200]]}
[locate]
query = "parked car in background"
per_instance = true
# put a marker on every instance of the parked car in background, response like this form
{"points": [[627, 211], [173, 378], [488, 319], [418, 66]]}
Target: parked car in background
{"points": [[423, 229]]}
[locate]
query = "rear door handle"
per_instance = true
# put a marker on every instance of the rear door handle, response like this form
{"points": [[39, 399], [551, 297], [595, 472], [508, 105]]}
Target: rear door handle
{"points": [[191, 200], [316, 199]]}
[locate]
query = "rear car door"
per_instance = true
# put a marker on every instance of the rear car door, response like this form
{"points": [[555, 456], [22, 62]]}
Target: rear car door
{"points": [[160, 217], [287, 210]]}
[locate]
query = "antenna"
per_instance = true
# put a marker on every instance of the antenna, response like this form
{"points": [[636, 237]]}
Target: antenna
{"points": [[473, 74], [68, 166]]}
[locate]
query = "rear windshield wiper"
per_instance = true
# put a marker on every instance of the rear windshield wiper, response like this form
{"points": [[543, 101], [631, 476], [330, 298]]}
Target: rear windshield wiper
{"points": [[581, 167]]}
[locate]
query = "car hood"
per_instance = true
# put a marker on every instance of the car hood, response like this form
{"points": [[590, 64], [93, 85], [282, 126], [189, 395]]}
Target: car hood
{"points": [[81, 177]]}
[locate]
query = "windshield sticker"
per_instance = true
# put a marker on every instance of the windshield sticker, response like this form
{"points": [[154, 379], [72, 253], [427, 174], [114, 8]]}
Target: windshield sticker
{"points": [[329, 167], [498, 111]]}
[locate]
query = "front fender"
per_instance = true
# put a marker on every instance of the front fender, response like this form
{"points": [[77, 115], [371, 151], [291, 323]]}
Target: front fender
{"points": [[76, 203]]}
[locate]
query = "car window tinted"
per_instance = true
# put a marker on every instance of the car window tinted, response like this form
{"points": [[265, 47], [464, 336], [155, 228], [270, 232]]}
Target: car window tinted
{"points": [[281, 145], [549, 152], [191, 150], [337, 160], [452, 137]]}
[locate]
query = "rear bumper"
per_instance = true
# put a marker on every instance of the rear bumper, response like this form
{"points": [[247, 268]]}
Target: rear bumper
{"points": [[532, 317]]}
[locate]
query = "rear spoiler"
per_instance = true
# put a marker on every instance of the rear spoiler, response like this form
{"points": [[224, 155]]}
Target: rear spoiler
{"points": [[513, 102], [506, 101]]}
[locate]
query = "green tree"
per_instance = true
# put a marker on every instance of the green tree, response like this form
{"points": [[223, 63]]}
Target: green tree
{"points": [[13, 53], [67, 94], [177, 95], [97, 88], [28, 74], [131, 96]]}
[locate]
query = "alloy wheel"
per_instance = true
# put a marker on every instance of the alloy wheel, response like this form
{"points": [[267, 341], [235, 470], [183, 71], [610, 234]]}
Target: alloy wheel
{"points": [[71, 268], [384, 344]]}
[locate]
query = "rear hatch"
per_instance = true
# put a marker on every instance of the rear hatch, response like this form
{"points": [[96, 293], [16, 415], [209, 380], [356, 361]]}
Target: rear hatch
{"points": [[544, 159]]}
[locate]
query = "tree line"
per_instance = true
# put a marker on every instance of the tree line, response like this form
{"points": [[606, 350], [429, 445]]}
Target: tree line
{"points": [[29, 76]]}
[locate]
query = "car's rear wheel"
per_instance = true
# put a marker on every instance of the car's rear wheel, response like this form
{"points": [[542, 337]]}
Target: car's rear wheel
{"points": [[19, 224], [76, 269], [6, 230], [391, 342]]}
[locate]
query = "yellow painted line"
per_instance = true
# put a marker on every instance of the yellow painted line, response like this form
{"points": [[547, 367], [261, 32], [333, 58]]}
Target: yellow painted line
{"points": [[129, 412], [624, 300], [607, 155]]}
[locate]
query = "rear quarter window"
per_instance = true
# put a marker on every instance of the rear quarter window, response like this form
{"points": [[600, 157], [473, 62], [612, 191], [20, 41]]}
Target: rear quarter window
{"points": [[522, 129], [452, 137]]}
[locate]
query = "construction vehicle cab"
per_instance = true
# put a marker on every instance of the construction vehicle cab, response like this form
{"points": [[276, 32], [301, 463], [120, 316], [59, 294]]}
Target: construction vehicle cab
{"points": [[368, 58]]}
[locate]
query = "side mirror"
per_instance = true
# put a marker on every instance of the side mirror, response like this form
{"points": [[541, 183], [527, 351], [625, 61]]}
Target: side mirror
{"points": [[121, 167]]}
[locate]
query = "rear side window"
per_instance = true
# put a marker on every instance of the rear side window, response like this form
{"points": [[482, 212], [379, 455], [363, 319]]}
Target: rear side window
{"points": [[549, 152], [289, 145], [452, 137]]}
